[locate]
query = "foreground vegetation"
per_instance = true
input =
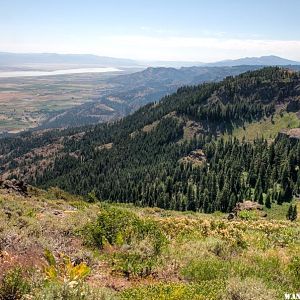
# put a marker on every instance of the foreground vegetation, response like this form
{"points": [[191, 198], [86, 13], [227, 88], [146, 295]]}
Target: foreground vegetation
{"points": [[57, 246]]}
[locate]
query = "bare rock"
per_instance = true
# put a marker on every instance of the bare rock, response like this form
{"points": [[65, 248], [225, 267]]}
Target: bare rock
{"points": [[247, 205], [14, 185], [293, 133]]}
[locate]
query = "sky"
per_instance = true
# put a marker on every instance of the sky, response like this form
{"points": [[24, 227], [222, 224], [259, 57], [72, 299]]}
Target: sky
{"points": [[185, 30]]}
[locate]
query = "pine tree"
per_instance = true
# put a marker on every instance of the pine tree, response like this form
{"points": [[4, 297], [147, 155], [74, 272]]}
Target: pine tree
{"points": [[191, 205], [294, 214], [232, 202], [268, 201], [261, 199], [290, 212], [288, 192], [279, 198]]}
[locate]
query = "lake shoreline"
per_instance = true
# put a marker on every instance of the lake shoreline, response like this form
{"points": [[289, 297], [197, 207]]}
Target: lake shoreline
{"points": [[14, 74]]}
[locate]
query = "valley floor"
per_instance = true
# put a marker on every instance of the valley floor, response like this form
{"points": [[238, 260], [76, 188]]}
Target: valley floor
{"points": [[54, 245]]}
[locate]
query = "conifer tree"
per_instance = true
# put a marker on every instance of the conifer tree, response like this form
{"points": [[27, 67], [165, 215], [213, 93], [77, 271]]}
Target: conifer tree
{"points": [[261, 199], [294, 214], [290, 212], [268, 201]]}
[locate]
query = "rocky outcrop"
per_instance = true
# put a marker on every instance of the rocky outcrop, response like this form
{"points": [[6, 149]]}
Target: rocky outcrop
{"points": [[291, 133], [246, 205], [14, 185], [196, 157]]}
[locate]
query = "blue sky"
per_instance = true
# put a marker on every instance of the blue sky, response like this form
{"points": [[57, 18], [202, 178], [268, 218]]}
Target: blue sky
{"points": [[153, 30]]}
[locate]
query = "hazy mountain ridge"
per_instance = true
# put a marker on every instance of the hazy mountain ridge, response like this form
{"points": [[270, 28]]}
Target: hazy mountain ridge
{"points": [[270, 60], [16, 59]]}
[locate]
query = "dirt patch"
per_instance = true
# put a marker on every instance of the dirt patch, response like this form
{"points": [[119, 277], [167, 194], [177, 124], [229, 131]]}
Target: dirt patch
{"points": [[30, 258]]}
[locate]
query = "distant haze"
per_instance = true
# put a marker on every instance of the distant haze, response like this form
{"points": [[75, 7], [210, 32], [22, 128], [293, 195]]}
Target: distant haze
{"points": [[54, 58], [53, 62]]}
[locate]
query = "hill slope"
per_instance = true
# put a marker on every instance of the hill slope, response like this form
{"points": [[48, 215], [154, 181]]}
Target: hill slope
{"points": [[165, 154], [58, 246]]}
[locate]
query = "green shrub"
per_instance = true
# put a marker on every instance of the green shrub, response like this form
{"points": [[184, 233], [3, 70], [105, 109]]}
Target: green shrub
{"points": [[113, 226], [13, 285], [248, 215], [119, 227], [132, 264], [209, 268], [139, 241], [79, 204], [138, 259], [91, 197]]}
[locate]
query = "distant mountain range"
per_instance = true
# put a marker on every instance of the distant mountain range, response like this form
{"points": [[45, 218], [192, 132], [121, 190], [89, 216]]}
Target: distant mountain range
{"points": [[15, 59], [39, 59], [270, 60]]}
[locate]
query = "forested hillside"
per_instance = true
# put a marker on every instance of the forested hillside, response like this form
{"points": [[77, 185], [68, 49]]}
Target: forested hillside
{"points": [[174, 154], [126, 93]]}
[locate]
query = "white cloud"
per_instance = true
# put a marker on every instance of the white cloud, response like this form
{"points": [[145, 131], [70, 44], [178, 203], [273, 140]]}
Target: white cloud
{"points": [[147, 47]]}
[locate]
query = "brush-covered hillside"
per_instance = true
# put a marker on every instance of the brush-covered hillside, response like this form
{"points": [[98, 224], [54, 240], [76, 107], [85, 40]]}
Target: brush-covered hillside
{"points": [[186, 152], [54, 245]]}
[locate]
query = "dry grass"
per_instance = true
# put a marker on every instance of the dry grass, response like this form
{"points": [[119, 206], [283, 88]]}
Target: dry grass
{"points": [[267, 128]]}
